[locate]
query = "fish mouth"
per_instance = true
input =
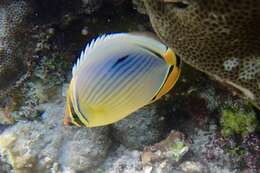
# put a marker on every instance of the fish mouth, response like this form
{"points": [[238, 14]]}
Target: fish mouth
{"points": [[67, 119], [70, 118]]}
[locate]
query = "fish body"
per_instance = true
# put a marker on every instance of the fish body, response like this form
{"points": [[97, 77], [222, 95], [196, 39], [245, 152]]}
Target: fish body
{"points": [[218, 37], [117, 74]]}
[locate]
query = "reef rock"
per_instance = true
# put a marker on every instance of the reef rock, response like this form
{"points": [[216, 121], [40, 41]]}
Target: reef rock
{"points": [[46, 145], [129, 130], [162, 156], [122, 160], [139, 6]]}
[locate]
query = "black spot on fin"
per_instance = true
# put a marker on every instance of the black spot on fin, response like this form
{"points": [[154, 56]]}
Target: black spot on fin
{"points": [[120, 60]]}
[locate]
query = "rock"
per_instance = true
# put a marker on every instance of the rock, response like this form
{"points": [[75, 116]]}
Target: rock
{"points": [[122, 160], [191, 167], [42, 146], [86, 150], [147, 121], [162, 156], [91, 6], [139, 6], [207, 149]]}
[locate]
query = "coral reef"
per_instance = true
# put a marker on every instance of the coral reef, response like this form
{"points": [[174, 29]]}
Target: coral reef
{"points": [[198, 127], [207, 37], [44, 145], [13, 64]]}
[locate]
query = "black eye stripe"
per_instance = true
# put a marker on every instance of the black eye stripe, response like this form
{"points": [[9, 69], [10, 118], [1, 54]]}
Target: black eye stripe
{"points": [[74, 115]]}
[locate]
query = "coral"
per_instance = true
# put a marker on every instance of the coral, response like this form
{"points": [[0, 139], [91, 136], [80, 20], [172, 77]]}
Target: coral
{"points": [[207, 37], [13, 64]]}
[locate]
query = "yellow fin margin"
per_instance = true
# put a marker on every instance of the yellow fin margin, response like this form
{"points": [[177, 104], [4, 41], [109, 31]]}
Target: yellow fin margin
{"points": [[170, 57], [172, 78]]}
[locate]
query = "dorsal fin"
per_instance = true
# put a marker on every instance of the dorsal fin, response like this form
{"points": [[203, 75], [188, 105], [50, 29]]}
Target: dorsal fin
{"points": [[87, 50], [148, 43]]}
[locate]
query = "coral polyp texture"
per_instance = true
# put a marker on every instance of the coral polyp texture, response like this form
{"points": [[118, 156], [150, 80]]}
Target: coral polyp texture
{"points": [[12, 62], [220, 38]]}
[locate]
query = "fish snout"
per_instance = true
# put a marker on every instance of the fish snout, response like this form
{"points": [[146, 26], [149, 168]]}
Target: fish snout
{"points": [[67, 119]]}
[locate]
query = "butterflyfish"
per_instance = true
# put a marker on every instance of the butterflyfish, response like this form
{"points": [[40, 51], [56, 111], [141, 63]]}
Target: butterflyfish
{"points": [[116, 75]]}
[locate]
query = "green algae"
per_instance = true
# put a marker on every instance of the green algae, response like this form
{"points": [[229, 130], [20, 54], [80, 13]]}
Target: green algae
{"points": [[238, 152], [99, 170], [238, 122], [178, 149]]}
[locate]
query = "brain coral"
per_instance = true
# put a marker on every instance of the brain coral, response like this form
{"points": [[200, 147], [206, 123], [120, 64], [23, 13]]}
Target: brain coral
{"points": [[12, 61], [219, 37]]}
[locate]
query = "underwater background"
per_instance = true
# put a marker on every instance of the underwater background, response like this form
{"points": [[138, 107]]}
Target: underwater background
{"points": [[200, 126]]}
